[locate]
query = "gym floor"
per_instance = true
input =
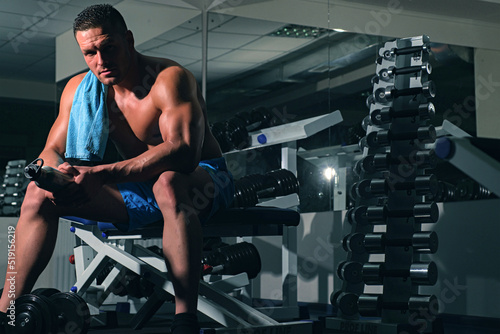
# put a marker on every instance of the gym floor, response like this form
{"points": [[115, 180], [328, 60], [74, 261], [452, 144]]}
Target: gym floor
{"points": [[161, 324]]}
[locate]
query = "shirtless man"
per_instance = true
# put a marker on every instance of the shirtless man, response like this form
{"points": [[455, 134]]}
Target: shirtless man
{"points": [[162, 133]]}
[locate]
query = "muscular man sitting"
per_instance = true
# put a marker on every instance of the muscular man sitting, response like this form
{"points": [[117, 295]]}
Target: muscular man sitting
{"points": [[154, 114]]}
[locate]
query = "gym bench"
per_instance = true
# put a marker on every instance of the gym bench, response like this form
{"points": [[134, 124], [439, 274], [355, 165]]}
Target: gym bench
{"points": [[99, 245]]}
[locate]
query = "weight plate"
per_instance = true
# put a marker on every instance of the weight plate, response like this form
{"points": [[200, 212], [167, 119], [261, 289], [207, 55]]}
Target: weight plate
{"points": [[33, 316], [72, 312], [45, 292]]}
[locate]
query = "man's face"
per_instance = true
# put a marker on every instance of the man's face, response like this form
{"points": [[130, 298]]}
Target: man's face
{"points": [[106, 53]]}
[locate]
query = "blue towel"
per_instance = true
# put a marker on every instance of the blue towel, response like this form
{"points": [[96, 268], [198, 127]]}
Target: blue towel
{"points": [[88, 122]]}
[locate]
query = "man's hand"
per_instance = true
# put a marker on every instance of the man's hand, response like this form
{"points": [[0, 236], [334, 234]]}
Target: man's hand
{"points": [[85, 186]]}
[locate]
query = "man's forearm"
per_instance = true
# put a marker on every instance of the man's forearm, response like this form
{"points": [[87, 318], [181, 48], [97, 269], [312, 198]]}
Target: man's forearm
{"points": [[149, 164], [51, 158]]}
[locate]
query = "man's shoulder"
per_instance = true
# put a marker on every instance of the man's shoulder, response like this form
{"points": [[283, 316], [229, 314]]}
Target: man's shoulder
{"points": [[165, 68], [75, 81], [70, 88]]}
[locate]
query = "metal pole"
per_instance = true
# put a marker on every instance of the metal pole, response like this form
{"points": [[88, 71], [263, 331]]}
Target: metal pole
{"points": [[204, 52]]}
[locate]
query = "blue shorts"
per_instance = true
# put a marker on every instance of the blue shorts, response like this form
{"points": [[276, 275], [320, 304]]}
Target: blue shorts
{"points": [[142, 207]]}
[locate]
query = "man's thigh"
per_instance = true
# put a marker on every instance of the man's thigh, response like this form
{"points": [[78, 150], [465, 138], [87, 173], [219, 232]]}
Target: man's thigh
{"points": [[107, 205]]}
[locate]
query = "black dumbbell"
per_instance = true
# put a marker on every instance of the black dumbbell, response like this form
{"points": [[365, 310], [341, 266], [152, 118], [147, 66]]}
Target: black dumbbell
{"points": [[359, 243], [421, 212], [45, 292], [381, 161], [418, 273], [387, 74], [347, 302], [387, 114], [389, 54], [425, 134], [32, 315], [372, 305], [234, 259], [71, 311], [386, 94], [278, 182], [426, 184], [350, 271], [245, 194], [219, 130], [237, 133], [264, 116]]}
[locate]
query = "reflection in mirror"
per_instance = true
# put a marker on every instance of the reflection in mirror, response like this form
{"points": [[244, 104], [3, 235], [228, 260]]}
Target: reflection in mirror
{"points": [[296, 72]]}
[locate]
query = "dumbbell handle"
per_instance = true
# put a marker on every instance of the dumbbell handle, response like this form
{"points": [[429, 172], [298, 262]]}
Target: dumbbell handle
{"points": [[387, 73], [388, 54], [383, 95], [381, 161], [419, 273], [386, 114], [421, 242], [422, 212], [384, 137], [422, 184], [372, 305], [359, 243]]}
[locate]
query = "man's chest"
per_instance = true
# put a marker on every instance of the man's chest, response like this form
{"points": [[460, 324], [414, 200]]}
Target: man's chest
{"points": [[134, 118]]}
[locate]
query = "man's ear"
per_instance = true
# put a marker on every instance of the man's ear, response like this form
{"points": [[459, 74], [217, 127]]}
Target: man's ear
{"points": [[129, 36]]}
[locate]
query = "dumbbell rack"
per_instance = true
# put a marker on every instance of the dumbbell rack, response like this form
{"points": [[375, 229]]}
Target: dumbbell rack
{"points": [[390, 196], [286, 135]]}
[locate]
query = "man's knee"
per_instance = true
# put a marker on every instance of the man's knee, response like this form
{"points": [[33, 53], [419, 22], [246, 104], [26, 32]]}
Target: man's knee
{"points": [[36, 198], [170, 186]]}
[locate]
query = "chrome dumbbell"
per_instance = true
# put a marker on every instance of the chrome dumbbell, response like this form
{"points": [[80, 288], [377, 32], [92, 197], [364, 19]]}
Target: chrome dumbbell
{"points": [[387, 94], [387, 74]]}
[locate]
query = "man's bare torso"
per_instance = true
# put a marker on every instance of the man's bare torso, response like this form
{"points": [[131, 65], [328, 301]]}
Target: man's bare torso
{"points": [[134, 117]]}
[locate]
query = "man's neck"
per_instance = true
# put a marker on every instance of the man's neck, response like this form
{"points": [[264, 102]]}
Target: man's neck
{"points": [[133, 77]]}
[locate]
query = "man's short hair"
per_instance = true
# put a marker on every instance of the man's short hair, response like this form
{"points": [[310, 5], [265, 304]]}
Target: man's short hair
{"points": [[98, 16]]}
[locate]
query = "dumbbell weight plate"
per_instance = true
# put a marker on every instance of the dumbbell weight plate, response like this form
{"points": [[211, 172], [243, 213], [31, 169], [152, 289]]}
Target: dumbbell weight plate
{"points": [[354, 243], [289, 181], [45, 292], [279, 181], [292, 185], [346, 302], [220, 133], [33, 316], [350, 271], [363, 189], [72, 312]]}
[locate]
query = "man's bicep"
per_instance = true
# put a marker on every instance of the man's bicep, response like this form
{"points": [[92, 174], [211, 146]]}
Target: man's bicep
{"points": [[182, 124], [56, 140], [182, 115]]}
